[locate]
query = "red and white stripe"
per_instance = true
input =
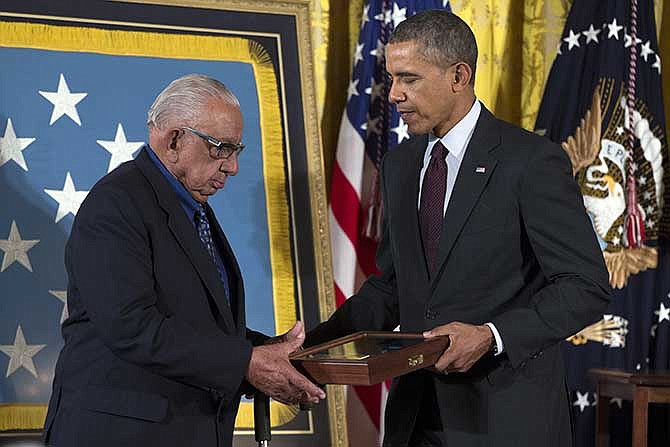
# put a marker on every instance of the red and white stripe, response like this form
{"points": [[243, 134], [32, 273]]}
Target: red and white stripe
{"points": [[353, 261]]}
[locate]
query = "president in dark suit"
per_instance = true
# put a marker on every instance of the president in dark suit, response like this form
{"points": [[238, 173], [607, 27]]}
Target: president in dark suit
{"points": [[156, 348], [485, 240]]}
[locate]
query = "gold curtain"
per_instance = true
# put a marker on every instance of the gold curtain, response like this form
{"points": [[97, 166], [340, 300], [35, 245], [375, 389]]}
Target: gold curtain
{"points": [[663, 28], [335, 27], [517, 42]]}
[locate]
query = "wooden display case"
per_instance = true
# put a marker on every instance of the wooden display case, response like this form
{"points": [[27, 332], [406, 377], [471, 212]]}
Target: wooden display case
{"points": [[366, 358]]}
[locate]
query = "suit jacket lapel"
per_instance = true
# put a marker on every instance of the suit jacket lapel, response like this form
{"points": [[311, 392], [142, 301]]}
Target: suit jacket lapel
{"points": [[186, 236], [473, 175], [235, 285]]}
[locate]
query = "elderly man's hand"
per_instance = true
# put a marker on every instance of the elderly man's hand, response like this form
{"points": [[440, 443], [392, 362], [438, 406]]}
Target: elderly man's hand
{"points": [[292, 334], [271, 372], [467, 344]]}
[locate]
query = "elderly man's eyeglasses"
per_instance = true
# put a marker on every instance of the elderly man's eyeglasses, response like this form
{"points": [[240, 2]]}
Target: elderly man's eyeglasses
{"points": [[218, 149]]}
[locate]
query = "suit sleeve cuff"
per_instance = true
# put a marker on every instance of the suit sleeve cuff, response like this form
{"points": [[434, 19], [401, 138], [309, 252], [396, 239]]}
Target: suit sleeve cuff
{"points": [[499, 347]]}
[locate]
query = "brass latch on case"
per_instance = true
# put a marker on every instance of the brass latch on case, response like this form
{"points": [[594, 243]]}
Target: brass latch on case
{"points": [[415, 360]]}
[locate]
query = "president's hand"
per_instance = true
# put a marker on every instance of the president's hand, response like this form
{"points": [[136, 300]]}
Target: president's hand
{"points": [[271, 372], [467, 344]]}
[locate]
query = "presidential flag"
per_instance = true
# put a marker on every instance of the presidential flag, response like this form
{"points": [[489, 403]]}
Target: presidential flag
{"points": [[603, 104], [370, 127]]}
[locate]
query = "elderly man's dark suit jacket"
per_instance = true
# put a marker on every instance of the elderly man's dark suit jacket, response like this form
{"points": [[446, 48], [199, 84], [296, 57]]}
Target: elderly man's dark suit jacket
{"points": [[152, 349], [516, 249]]}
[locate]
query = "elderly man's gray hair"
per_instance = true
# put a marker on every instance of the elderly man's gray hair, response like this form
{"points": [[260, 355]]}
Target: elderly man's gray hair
{"points": [[182, 100], [445, 38]]}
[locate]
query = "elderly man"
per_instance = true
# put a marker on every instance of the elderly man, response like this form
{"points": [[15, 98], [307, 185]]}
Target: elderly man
{"points": [[156, 348], [485, 240]]}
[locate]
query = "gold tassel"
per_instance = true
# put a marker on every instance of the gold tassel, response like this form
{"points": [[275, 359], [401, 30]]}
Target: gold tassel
{"points": [[124, 43], [283, 277], [280, 414], [22, 416]]}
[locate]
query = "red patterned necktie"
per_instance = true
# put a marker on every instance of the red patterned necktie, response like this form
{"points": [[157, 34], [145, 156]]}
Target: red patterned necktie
{"points": [[431, 211]]}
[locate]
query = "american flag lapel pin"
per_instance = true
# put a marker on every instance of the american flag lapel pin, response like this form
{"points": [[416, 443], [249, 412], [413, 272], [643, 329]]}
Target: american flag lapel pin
{"points": [[480, 170]]}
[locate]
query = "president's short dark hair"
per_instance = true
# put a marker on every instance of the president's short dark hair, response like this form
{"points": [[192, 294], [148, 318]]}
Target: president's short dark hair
{"points": [[445, 38]]}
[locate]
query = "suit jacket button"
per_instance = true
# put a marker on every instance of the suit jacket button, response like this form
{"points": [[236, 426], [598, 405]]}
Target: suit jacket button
{"points": [[431, 315]]}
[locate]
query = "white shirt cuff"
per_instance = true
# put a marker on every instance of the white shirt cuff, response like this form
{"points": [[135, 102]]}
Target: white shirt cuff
{"points": [[499, 342]]}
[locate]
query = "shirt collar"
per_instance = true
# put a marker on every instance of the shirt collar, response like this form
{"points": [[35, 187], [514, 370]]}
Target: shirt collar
{"points": [[457, 138], [187, 201]]}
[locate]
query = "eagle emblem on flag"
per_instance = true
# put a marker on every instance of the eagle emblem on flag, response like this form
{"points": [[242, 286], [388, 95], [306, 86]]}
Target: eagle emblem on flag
{"points": [[600, 160]]}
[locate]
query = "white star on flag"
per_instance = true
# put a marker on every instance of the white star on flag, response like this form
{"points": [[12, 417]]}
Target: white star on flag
{"points": [[399, 15], [582, 401], [11, 147], [69, 199], [21, 354], [401, 131], [366, 15], [663, 313], [16, 249], [375, 90], [614, 30], [657, 64], [591, 34], [121, 149], [379, 51], [384, 16], [62, 296], [353, 89], [64, 102], [358, 56], [371, 125], [628, 40], [572, 40], [645, 50]]}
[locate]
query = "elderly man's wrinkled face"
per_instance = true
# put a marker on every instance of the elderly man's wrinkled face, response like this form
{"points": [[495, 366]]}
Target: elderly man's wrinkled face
{"points": [[196, 169]]}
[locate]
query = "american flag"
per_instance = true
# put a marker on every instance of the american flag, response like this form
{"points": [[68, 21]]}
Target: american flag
{"points": [[370, 127]]}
